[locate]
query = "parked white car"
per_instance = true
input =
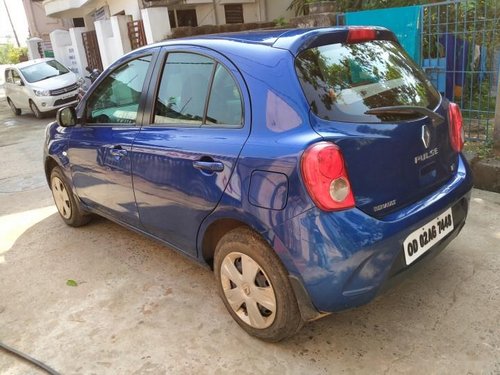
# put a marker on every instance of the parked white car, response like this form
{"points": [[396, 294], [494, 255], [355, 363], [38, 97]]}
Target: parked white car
{"points": [[41, 85]]}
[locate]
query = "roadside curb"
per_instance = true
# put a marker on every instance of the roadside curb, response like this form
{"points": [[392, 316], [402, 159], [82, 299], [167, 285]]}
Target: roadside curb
{"points": [[486, 172]]}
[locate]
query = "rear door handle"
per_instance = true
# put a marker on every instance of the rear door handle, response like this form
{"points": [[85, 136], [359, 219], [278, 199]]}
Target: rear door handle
{"points": [[211, 166]]}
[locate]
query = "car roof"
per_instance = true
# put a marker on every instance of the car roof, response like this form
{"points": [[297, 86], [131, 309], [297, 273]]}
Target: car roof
{"points": [[293, 40], [32, 62]]}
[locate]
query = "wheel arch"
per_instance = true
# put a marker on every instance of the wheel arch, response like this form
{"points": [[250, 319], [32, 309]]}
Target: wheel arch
{"points": [[213, 233], [49, 165]]}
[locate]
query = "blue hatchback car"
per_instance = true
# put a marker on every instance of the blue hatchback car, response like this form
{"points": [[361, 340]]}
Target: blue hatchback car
{"points": [[309, 168]]}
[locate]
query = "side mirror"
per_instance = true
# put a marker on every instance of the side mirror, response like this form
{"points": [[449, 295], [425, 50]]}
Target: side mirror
{"points": [[19, 82], [66, 117]]}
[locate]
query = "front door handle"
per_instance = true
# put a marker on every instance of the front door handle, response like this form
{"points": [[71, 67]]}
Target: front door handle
{"points": [[210, 166]]}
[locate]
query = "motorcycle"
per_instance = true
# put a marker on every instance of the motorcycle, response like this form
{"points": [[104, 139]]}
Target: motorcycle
{"points": [[93, 75]]}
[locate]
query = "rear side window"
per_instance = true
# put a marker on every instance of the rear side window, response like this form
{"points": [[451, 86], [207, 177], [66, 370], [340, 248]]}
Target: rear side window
{"points": [[197, 91], [342, 81], [224, 107], [184, 89]]}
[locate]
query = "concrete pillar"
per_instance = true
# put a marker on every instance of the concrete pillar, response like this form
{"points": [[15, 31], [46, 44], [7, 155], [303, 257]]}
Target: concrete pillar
{"points": [[34, 48], [156, 24], [103, 32], [60, 41], [120, 31], [75, 34], [112, 36]]}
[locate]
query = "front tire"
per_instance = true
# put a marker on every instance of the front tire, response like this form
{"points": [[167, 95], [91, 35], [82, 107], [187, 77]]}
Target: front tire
{"points": [[16, 111], [38, 114], [254, 286], [66, 203]]}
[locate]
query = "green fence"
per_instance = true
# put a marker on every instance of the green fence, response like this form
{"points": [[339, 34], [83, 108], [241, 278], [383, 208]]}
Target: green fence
{"points": [[457, 44], [461, 55]]}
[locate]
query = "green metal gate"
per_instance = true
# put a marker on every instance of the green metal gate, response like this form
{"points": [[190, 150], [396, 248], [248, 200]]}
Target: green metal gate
{"points": [[461, 55]]}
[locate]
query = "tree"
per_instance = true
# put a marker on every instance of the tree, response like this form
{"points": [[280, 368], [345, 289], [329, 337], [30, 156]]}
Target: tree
{"points": [[10, 54]]}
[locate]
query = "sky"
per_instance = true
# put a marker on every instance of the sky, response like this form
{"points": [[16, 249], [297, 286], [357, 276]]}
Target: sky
{"points": [[18, 16]]}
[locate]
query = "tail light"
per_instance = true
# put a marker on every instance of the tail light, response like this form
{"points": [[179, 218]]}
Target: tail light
{"points": [[360, 34], [456, 129], [325, 177]]}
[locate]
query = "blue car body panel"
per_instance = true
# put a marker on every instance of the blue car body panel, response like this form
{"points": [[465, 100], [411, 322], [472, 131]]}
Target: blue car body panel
{"points": [[101, 177], [341, 258]]}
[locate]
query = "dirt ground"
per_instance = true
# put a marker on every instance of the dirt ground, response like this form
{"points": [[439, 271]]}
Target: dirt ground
{"points": [[140, 308]]}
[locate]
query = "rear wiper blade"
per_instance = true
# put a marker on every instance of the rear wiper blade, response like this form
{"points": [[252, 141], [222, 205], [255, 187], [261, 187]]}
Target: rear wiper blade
{"points": [[405, 109]]}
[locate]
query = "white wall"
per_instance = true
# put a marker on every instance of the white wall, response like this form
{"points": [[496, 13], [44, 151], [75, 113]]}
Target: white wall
{"points": [[131, 7], [277, 8], [156, 24], [205, 15], [39, 24], [251, 13]]}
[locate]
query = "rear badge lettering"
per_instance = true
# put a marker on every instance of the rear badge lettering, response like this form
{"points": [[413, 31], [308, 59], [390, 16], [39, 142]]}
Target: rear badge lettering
{"points": [[384, 205], [429, 154]]}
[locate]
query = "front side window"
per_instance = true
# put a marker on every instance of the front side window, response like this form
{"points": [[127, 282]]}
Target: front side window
{"points": [[43, 70], [116, 99], [342, 81], [8, 76], [197, 91], [16, 78]]}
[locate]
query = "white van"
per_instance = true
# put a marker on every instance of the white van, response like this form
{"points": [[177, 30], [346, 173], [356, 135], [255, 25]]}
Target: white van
{"points": [[41, 85]]}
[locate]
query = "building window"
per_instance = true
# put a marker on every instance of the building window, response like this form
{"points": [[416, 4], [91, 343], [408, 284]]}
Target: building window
{"points": [[78, 22], [171, 17], [182, 17], [234, 13], [186, 17]]}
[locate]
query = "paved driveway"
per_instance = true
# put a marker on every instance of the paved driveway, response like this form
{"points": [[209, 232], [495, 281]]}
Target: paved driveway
{"points": [[140, 308]]}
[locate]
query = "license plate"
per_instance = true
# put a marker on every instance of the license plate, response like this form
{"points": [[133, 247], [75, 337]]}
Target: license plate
{"points": [[421, 240]]}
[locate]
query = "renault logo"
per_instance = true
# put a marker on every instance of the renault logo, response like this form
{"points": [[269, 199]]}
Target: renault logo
{"points": [[426, 136]]}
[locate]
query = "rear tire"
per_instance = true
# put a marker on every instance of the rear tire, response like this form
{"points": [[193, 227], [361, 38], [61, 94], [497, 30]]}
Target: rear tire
{"points": [[67, 204], [35, 110], [16, 111], [254, 286]]}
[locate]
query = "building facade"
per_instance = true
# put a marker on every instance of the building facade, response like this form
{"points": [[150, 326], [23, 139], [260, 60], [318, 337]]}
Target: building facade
{"points": [[104, 30]]}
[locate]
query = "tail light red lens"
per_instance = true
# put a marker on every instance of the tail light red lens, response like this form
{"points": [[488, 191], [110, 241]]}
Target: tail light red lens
{"points": [[325, 177], [360, 34], [456, 129]]}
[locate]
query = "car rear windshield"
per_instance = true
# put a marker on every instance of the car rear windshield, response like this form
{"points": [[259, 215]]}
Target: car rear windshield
{"points": [[43, 70], [343, 81]]}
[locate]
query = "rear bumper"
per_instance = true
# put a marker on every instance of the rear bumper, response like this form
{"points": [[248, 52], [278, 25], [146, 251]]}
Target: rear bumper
{"points": [[344, 259]]}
